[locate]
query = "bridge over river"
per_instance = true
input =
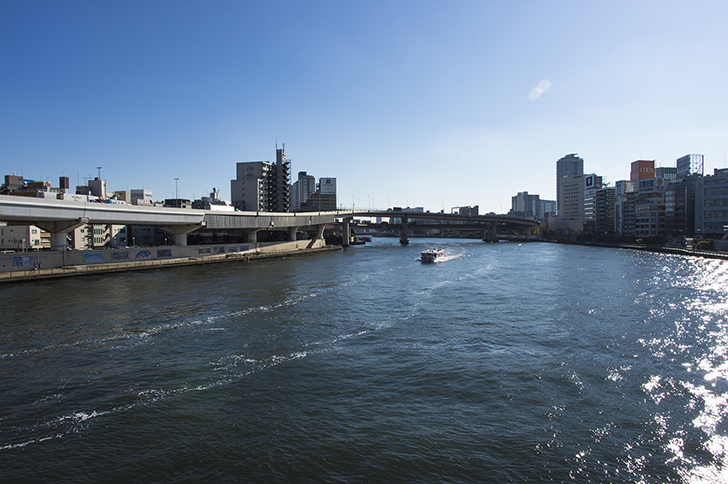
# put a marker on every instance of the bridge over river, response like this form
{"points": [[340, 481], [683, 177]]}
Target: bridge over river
{"points": [[405, 221], [59, 217]]}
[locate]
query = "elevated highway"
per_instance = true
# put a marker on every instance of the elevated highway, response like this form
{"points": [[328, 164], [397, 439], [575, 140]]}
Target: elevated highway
{"points": [[60, 217], [488, 223]]}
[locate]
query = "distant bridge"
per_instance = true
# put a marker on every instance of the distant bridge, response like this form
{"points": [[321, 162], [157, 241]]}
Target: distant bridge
{"points": [[488, 223]]}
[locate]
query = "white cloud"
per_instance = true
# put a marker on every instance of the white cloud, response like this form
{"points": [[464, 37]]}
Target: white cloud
{"points": [[536, 92]]}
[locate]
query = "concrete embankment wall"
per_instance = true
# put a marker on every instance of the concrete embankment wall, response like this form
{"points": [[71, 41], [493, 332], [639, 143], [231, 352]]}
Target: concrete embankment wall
{"points": [[708, 254], [42, 265]]}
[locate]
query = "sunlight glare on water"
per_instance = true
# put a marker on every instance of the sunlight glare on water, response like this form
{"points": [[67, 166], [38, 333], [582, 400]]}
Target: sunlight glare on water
{"points": [[699, 342]]}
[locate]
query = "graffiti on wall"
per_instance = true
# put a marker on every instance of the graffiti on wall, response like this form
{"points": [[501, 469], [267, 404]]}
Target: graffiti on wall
{"points": [[26, 261], [93, 258]]}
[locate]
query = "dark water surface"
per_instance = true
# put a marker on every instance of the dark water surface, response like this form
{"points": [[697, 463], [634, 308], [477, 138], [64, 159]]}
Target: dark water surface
{"points": [[504, 363]]}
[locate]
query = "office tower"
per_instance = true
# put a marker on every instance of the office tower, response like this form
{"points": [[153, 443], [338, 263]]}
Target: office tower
{"points": [[568, 166]]}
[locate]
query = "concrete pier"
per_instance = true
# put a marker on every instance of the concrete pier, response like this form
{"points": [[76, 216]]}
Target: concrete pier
{"points": [[403, 233]]}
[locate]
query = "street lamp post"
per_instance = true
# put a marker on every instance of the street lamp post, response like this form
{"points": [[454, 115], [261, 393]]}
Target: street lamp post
{"points": [[176, 193]]}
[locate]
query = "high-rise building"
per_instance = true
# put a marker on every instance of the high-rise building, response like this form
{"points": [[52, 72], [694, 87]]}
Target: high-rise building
{"points": [[280, 183], [604, 210], [625, 197], [592, 183], [575, 197], [649, 209], [302, 188], [525, 205], [324, 198], [689, 165], [680, 207], [249, 191], [568, 166], [262, 185], [711, 203], [642, 169]]}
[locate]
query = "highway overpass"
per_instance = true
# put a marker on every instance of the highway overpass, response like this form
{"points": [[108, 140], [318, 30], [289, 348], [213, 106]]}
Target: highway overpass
{"points": [[59, 217]]}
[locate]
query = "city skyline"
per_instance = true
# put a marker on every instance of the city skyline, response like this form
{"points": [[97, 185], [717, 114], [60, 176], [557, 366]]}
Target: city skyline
{"points": [[406, 103]]}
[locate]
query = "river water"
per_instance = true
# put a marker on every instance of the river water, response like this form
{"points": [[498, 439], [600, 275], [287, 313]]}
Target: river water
{"points": [[503, 363]]}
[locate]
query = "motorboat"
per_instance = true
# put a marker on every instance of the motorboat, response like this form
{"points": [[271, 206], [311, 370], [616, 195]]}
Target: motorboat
{"points": [[432, 255]]}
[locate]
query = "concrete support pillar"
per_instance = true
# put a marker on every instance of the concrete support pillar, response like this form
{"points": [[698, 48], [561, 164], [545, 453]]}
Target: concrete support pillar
{"points": [[292, 233], [403, 233], [345, 233], [180, 232], [60, 229], [59, 241], [320, 231], [489, 234], [253, 237]]}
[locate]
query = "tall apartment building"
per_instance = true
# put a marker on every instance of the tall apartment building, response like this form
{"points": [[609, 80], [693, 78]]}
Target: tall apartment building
{"points": [[568, 166], [624, 211], [302, 188], [280, 183], [262, 185], [604, 200]]}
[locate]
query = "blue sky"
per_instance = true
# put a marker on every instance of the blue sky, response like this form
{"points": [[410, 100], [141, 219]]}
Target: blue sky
{"points": [[426, 103]]}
